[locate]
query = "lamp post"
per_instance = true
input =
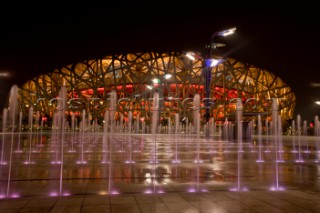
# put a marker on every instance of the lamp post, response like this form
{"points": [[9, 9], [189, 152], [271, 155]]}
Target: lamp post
{"points": [[209, 63]]}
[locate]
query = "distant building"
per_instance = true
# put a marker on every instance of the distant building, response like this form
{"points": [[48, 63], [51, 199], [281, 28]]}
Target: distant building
{"points": [[135, 77]]}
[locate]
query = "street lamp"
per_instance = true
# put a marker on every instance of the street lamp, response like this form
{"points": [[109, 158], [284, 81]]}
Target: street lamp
{"points": [[209, 63]]}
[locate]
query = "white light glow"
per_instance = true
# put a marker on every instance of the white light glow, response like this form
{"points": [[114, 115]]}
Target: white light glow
{"points": [[155, 81], [190, 55], [149, 87], [227, 32], [167, 76], [214, 62], [4, 74], [317, 102]]}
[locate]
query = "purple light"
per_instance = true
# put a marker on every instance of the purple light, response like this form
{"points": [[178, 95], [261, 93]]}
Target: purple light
{"points": [[15, 195], [233, 189], [244, 189], [114, 192], [277, 188], [2, 196], [53, 194], [29, 162], [211, 62], [192, 190], [81, 162], [148, 191]]}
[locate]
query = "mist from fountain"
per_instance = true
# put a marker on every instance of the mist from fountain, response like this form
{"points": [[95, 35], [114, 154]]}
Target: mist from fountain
{"points": [[73, 132], [196, 120], [316, 126], [129, 122], [317, 133], [109, 139], [293, 129], [277, 134], [176, 123], [58, 134], [260, 159], [13, 109], [30, 133], [305, 133], [137, 124], [4, 128], [18, 150], [112, 108], [225, 129], [83, 129], [213, 127], [239, 116], [300, 159], [280, 148], [196, 113], [154, 125], [176, 159], [267, 150]]}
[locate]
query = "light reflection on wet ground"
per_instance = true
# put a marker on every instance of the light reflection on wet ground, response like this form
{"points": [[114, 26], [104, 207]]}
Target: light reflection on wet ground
{"points": [[93, 163]]}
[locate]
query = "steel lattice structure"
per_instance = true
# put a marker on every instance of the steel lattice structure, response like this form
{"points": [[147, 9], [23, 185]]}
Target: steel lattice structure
{"points": [[89, 83]]}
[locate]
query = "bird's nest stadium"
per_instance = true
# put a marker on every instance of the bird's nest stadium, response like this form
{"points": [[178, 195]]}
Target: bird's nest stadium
{"points": [[136, 76]]}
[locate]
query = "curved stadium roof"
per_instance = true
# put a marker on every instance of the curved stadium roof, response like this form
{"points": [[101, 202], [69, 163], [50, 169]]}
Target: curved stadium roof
{"points": [[89, 83]]}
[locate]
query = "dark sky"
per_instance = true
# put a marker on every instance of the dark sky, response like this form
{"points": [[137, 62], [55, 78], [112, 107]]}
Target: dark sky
{"points": [[284, 41]]}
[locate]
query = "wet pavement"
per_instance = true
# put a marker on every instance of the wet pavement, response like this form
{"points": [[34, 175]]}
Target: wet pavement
{"points": [[216, 201], [95, 172]]}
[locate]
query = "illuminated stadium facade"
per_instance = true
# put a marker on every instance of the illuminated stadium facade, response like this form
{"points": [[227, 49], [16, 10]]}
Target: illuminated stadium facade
{"points": [[135, 77]]}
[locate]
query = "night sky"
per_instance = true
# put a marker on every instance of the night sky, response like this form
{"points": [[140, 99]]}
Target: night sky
{"points": [[284, 41]]}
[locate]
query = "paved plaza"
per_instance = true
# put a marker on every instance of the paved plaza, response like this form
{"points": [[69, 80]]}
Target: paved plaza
{"points": [[293, 200], [96, 172]]}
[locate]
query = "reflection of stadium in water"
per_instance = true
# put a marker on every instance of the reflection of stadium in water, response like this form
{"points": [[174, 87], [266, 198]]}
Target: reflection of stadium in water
{"points": [[135, 77], [120, 163]]}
